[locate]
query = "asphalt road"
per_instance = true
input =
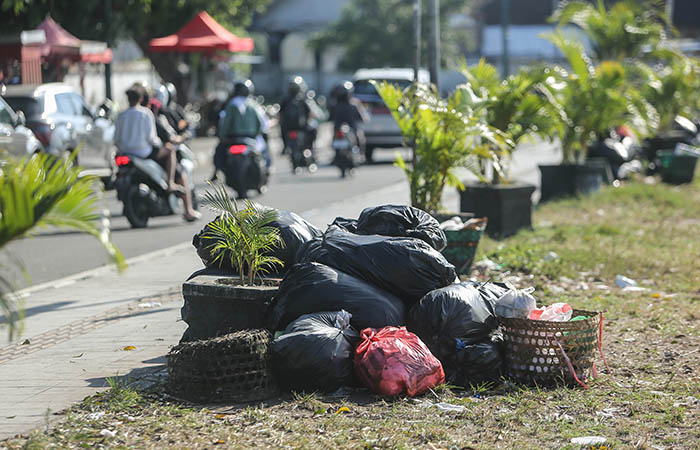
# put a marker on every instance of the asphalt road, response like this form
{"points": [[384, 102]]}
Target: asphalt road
{"points": [[51, 255]]}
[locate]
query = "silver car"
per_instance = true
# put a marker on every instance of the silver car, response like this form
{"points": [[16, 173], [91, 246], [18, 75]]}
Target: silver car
{"points": [[15, 138], [382, 130], [62, 121]]}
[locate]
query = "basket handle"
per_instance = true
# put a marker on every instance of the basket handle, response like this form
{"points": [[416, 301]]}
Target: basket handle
{"points": [[600, 343], [568, 363]]}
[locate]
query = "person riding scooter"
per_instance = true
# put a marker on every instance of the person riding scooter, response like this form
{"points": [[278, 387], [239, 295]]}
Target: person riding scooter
{"points": [[135, 134], [347, 110], [297, 114], [240, 118]]}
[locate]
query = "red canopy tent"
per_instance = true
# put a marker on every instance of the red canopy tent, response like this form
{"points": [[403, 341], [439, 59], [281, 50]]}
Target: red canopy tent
{"points": [[201, 34], [61, 44]]}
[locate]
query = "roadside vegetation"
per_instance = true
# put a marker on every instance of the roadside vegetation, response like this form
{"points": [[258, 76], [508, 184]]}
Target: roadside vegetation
{"points": [[647, 232]]}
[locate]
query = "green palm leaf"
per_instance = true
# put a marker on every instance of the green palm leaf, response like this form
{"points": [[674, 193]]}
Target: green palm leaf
{"points": [[38, 192]]}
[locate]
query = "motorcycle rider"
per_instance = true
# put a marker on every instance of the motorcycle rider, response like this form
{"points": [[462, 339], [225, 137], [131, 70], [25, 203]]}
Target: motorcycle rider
{"points": [[348, 110], [298, 113], [135, 134], [241, 117]]}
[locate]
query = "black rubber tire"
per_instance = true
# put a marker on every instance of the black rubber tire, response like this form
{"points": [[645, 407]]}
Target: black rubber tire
{"points": [[135, 208], [369, 154]]}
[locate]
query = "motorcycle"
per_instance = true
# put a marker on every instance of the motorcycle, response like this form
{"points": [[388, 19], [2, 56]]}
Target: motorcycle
{"points": [[347, 150], [245, 167], [300, 151], [142, 186]]}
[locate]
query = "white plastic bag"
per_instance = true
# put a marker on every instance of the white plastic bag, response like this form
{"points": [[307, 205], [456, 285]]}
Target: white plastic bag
{"points": [[516, 303]]}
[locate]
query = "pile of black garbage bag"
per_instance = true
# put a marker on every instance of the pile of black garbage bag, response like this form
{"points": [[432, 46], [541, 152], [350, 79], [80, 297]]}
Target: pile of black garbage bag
{"points": [[384, 269]]}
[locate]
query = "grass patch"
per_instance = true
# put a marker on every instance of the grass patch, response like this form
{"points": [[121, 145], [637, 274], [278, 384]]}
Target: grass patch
{"points": [[652, 400]]}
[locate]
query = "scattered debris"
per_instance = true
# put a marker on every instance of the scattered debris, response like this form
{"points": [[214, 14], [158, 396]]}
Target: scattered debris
{"points": [[129, 348], [107, 433], [486, 264], [96, 415], [550, 256], [588, 440], [623, 282]]}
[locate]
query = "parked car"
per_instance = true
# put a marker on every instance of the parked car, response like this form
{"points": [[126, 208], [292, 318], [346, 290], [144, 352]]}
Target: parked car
{"points": [[62, 121], [382, 130], [15, 137]]}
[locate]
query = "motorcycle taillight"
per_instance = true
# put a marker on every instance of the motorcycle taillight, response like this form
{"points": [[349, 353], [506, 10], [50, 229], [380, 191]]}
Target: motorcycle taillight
{"points": [[339, 134], [237, 149], [121, 160], [293, 135]]}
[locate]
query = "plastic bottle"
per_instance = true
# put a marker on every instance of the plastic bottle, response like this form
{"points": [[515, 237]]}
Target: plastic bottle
{"points": [[558, 312]]}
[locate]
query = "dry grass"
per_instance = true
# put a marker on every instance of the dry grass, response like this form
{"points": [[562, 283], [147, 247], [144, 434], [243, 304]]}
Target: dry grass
{"points": [[650, 233]]}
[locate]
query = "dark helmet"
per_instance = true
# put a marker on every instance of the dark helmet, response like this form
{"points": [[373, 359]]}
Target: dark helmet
{"points": [[297, 86], [243, 88], [344, 91]]}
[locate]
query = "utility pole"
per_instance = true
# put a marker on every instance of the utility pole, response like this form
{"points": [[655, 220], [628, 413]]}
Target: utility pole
{"points": [[505, 19], [416, 38], [669, 16], [108, 32], [434, 42]]}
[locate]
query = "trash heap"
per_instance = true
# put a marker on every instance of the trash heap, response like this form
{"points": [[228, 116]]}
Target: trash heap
{"points": [[373, 302]]}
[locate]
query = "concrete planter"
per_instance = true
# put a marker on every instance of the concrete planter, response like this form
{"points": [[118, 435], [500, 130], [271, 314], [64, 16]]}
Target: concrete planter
{"points": [[507, 207], [217, 305], [566, 180]]}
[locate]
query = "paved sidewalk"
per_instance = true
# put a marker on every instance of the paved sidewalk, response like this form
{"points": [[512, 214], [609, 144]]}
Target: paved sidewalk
{"points": [[83, 329]]}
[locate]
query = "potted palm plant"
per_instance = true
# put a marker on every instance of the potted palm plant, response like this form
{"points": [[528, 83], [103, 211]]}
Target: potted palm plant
{"points": [[446, 135], [593, 99], [521, 107], [216, 305]]}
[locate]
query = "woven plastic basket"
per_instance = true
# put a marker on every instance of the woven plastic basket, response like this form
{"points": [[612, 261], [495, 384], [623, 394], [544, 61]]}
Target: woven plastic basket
{"points": [[461, 247], [549, 353], [227, 368]]}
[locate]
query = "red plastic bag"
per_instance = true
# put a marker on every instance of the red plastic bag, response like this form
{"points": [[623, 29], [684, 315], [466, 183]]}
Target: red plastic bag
{"points": [[393, 360]]}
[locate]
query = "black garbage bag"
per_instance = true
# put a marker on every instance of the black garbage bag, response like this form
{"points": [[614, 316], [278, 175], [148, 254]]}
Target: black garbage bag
{"points": [[294, 231], [406, 267], [315, 352], [312, 287], [402, 221], [349, 225], [463, 311], [476, 363]]}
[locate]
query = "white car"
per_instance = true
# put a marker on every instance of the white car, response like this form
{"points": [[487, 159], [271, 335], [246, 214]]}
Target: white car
{"points": [[62, 121], [15, 138], [382, 130]]}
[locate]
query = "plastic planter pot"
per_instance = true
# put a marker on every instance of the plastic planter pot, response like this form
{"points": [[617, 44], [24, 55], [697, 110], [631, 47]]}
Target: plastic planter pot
{"points": [[676, 169], [566, 180], [507, 207], [216, 305]]}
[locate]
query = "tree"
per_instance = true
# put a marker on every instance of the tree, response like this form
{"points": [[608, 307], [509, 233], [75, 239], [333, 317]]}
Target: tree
{"points": [[595, 98], [38, 192], [622, 31], [140, 20], [379, 33]]}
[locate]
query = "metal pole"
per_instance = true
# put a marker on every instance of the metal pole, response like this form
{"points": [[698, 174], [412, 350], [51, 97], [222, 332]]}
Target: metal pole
{"points": [[505, 19], [669, 16], [434, 42], [417, 38], [108, 31]]}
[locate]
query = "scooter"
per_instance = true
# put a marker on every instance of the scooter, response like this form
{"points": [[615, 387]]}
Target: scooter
{"points": [[142, 186], [245, 167], [300, 151], [347, 150]]}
